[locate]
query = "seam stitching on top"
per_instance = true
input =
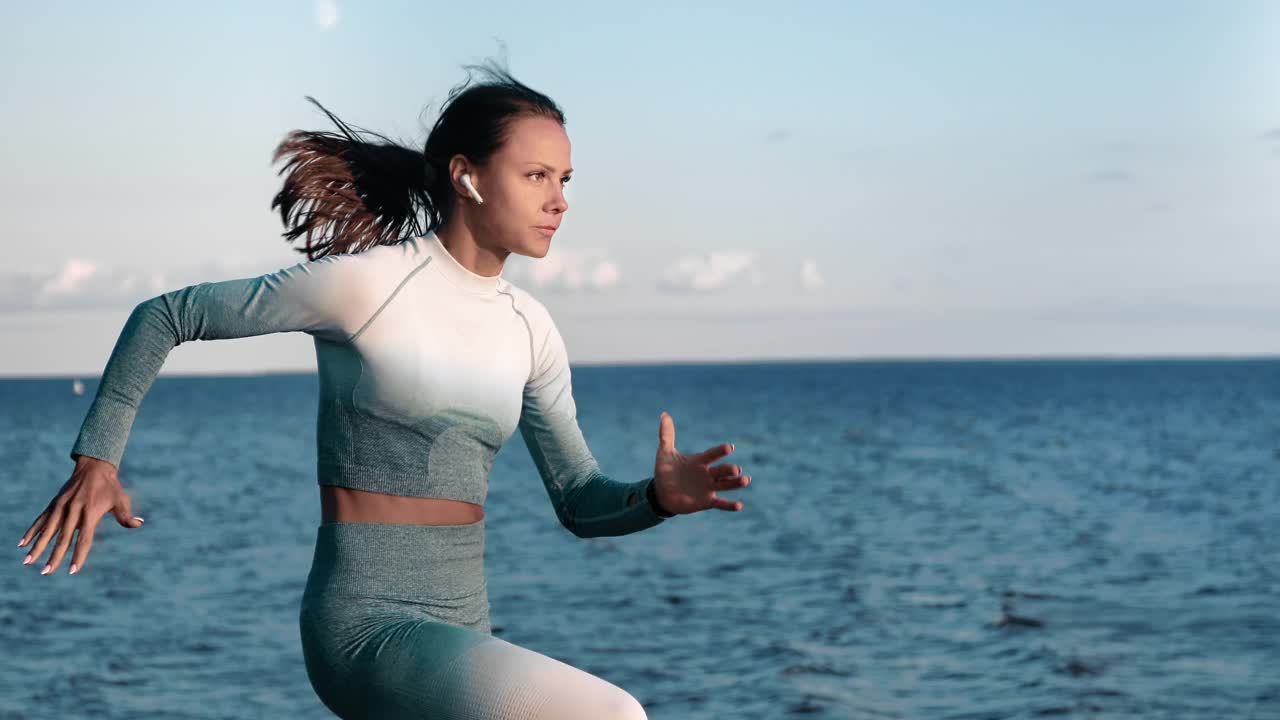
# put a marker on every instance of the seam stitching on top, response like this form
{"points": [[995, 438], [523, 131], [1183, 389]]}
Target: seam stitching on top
{"points": [[356, 385], [390, 297], [532, 365]]}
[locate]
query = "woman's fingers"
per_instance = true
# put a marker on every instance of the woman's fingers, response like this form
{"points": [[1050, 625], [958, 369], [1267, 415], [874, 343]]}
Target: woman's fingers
{"points": [[74, 514], [666, 433], [35, 528], [713, 454], [719, 472], [720, 503], [732, 482], [122, 509], [52, 523], [92, 491], [84, 540]]}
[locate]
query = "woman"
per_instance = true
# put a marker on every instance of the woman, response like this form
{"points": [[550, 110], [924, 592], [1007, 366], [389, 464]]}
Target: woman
{"points": [[428, 362]]}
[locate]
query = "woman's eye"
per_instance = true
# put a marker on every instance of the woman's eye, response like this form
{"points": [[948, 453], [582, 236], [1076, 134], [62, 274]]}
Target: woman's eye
{"points": [[540, 174]]}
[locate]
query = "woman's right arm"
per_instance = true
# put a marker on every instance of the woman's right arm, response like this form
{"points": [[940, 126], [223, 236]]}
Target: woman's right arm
{"points": [[323, 297], [327, 298]]}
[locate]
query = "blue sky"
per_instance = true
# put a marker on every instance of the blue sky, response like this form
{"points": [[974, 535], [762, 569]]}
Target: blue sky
{"points": [[752, 181]]}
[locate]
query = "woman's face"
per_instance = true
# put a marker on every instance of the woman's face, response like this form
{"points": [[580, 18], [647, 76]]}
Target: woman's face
{"points": [[523, 187]]}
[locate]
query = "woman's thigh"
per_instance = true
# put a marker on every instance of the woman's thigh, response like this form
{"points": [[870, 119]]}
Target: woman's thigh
{"points": [[416, 668]]}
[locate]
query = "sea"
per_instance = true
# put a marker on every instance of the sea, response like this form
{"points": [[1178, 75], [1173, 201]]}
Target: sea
{"points": [[941, 539]]}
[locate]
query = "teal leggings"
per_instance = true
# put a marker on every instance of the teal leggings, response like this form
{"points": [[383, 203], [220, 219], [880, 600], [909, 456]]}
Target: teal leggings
{"points": [[395, 624]]}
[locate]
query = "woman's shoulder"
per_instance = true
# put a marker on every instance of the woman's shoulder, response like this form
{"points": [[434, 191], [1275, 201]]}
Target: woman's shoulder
{"points": [[374, 267], [400, 254]]}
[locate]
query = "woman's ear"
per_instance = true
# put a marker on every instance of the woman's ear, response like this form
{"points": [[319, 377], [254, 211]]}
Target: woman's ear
{"points": [[466, 182], [461, 176]]}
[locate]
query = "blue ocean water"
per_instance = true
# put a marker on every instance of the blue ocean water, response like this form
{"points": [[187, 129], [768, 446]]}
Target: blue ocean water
{"points": [[920, 540]]}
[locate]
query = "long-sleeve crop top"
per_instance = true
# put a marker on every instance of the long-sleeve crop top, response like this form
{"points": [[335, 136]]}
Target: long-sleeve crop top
{"points": [[425, 370]]}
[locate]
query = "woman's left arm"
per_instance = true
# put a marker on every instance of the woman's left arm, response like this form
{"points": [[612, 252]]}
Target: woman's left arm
{"points": [[587, 502]]}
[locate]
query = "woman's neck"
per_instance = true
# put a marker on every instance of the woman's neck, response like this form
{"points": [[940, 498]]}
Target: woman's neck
{"points": [[461, 243]]}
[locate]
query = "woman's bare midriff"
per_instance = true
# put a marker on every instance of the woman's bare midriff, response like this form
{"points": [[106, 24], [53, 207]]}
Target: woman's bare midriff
{"points": [[339, 504]]}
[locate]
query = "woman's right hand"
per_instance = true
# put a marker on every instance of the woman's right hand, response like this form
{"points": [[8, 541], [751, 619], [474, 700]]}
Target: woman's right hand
{"points": [[93, 490]]}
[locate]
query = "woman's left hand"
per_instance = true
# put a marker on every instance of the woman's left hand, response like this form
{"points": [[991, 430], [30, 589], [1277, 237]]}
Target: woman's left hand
{"points": [[689, 483]]}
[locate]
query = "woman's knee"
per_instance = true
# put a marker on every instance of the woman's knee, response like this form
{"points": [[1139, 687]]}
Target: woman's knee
{"points": [[605, 702], [564, 692], [624, 706]]}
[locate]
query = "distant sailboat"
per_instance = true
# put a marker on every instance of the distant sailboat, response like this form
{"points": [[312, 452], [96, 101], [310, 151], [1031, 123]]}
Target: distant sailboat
{"points": [[77, 387]]}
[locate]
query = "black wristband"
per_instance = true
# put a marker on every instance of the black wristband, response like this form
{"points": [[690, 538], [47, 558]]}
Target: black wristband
{"points": [[651, 494]]}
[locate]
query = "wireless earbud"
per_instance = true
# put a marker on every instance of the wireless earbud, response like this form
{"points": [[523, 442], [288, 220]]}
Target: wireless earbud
{"points": [[466, 181]]}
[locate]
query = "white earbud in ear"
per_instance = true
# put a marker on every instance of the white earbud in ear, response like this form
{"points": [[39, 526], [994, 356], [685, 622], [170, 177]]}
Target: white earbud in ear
{"points": [[466, 181]]}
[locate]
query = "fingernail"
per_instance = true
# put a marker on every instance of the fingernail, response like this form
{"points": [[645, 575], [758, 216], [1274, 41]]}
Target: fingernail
{"points": [[47, 569], [20, 542], [135, 517], [28, 560], [73, 569]]}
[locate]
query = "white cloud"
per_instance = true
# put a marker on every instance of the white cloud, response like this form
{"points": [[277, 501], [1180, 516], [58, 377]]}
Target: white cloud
{"points": [[810, 277], [83, 284], [74, 274], [569, 270], [76, 283], [326, 14], [711, 271]]}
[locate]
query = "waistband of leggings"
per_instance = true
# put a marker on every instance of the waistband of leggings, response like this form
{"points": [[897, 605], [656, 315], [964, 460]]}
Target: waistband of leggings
{"points": [[411, 562]]}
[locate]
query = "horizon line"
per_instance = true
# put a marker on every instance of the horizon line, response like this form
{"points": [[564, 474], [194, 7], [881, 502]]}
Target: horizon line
{"points": [[887, 359]]}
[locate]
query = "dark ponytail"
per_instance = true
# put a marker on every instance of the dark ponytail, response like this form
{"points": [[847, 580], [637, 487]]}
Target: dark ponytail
{"points": [[344, 193]]}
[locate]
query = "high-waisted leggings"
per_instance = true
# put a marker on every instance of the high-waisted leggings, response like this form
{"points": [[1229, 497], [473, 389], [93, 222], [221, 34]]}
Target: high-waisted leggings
{"points": [[395, 624]]}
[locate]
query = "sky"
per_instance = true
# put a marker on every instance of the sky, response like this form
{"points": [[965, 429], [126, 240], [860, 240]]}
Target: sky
{"points": [[752, 181]]}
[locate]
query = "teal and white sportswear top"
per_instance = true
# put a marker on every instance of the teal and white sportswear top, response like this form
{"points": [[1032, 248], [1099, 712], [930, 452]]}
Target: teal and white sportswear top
{"points": [[425, 370]]}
